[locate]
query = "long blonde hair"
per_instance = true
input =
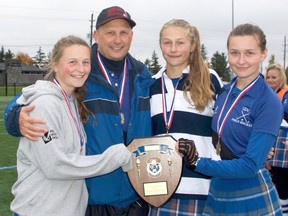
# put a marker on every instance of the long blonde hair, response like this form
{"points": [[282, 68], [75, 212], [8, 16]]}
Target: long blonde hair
{"points": [[55, 57], [198, 82]]}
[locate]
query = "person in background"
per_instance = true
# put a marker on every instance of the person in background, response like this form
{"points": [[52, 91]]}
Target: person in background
{"points": [[118, 97], [52, 170], [278, 166], [276, 78], [244, 130], [188, 89]]}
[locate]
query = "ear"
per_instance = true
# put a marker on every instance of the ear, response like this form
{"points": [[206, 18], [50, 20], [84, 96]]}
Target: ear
{"points": [[55, 67], [264, 55], [95, 36]]}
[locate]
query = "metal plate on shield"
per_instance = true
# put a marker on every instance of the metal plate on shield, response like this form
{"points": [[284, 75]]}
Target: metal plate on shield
{"points": [[156, 168]]}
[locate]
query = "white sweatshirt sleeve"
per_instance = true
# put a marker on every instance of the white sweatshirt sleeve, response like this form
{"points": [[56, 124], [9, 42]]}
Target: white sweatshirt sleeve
{"points": [[59, 158]]}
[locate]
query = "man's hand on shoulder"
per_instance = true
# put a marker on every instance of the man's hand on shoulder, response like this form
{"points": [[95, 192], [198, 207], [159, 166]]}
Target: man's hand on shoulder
{"points": [[29, 126]]}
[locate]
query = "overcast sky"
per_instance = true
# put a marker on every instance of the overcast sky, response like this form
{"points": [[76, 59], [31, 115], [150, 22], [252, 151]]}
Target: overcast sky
{"points": [[26, 25]]}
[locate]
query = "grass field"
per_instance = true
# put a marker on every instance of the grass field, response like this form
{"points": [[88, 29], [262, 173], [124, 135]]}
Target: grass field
{"points": [[8, 148], [10, 91]]}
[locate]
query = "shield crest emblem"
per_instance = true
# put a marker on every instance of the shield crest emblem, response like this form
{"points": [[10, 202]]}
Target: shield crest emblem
{"points": [[156, 169]]}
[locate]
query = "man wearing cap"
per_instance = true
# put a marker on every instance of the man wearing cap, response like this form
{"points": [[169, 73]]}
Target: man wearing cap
{"points": [[118, 98]]}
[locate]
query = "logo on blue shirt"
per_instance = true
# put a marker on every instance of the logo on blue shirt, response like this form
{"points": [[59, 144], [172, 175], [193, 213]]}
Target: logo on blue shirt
{"points": [[244, 118]]}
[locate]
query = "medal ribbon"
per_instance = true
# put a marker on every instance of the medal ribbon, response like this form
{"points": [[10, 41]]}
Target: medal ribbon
{"points": [[71, 113], [246, 89], [168, 116], [121, 97]]}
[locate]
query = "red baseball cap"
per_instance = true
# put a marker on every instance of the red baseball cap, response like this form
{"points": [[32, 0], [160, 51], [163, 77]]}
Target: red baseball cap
{"points": [[112, 13]]}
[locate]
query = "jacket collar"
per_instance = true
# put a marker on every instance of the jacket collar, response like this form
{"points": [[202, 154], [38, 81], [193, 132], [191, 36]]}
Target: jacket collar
{"points": [[162, 70]]}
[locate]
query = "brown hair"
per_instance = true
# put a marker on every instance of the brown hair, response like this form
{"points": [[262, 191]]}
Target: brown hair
{"points": [[55, 57], [198, 82], [248, 29]]}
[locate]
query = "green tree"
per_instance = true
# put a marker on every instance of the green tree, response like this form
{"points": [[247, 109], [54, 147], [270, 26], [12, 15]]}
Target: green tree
{"points": [[272, 59], [147, 63], [5, 55], [154, 66], [40, 58], [2, 54], [204, 52], [220, 65], [9, 54]]}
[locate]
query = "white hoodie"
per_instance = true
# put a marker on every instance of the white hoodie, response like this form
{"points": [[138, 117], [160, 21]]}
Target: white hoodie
{"points": [[51, 170]]}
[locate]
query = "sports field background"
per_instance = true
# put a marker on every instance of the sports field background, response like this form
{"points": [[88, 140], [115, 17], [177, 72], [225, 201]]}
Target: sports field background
{"points": [[8, 148]]}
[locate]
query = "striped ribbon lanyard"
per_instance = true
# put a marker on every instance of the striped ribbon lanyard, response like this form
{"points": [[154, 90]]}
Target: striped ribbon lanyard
{"points": [[121, 97], [81, 136], [220, 126], [168, 116]]}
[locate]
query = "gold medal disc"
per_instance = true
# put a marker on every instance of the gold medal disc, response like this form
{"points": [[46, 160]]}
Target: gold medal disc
{"points": [[122, 118]]}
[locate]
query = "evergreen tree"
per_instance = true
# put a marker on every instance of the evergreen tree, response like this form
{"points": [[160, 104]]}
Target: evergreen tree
{"points": [[272, 59], [204, 52], [154, 66], [220, 65], [5, 55], [2, 54], [147, 63], [40, 59], [9, 54]]}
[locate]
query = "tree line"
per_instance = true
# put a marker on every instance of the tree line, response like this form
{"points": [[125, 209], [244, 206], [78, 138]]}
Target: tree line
{"points": [[40, 59], [218, 62]]}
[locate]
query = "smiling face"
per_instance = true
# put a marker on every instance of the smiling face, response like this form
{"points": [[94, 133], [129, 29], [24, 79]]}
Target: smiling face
{"points": [[245, 57], [114, 39], [273, 78], [176, 47], [73, 68]]}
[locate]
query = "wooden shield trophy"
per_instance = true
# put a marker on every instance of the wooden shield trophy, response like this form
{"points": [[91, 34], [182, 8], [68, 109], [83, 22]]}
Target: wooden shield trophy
{"points": [[156, 169]]}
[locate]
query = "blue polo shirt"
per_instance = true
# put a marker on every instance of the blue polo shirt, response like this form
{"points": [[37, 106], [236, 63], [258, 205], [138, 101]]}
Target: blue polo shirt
{"points": [[259, 110], [249, 132]]}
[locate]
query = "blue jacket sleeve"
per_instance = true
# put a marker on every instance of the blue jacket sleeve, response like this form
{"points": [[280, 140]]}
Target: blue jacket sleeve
{"points": [[11, 117], [244, 167]]}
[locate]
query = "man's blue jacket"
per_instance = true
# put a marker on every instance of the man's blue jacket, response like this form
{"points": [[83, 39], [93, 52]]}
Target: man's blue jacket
{"points": [[104, 128]]}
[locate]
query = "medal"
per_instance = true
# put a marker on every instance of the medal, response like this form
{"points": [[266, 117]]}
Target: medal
{"points": [[222, 119], [218, 146], [122, 118], [121, 93]]}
